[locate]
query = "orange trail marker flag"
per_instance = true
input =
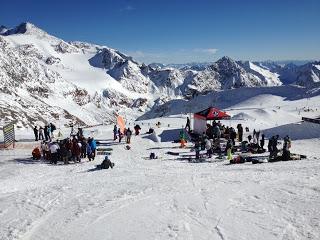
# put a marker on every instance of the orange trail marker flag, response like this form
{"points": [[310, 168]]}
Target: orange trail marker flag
{"points": [[121, 123]]}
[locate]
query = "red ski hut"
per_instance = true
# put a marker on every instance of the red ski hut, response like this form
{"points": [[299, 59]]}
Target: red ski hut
{"points": [[200, 118]]}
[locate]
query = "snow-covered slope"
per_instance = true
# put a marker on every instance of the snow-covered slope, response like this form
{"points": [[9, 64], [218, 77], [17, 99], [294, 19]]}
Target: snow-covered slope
{"points": [[265, 75], [88, 83], [52, 76]]}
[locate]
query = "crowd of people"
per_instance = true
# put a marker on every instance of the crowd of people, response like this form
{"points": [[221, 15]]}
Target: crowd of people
{"points": [[74, 149], [44, 133], [127, 133], [211, 141]]}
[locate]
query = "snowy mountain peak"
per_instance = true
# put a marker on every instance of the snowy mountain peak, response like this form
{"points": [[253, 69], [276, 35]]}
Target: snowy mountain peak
{"points": [[3, 29], [25, 28]]}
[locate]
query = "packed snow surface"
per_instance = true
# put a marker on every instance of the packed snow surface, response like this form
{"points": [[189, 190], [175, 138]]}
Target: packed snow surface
{"points": [[165, 198]]}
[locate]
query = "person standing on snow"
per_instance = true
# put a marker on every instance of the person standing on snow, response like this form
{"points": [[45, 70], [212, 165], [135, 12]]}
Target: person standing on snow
{"points": [[93, 145], [262, 141], [240, 132], [115, 130], [188, 125], [52, 128], [120, 135], [41, 133], [286, 149], [49, 132], [35, 131], [128, 134], [208, 146]]}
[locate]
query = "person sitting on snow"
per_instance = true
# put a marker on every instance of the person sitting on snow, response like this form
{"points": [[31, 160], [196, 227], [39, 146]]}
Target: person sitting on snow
{"points": [[106, 163], [36, 154]]}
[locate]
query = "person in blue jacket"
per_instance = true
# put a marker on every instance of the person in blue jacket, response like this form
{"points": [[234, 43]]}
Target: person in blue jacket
{"points": [[93, 146]]}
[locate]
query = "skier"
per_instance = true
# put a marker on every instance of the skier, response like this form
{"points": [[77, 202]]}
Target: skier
{"points": [[128, 134], [115, 130], [46, 132], [35, 131]]}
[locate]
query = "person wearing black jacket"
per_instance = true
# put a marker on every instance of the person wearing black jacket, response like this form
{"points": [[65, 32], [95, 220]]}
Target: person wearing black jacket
{"points": [[46, 133], [35, 131], [240, 132]]}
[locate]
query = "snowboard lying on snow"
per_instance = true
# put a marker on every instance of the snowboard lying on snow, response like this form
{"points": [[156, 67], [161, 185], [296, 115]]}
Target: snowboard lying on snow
{"points": [[104, 149], [104, 153]]}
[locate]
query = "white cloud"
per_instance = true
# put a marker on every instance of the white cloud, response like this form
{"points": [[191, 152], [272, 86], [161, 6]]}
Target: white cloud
{"points": [[206, 50], [175, 56]]}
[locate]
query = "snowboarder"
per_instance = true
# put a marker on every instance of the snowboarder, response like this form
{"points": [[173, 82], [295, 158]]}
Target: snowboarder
{"points": [[35, 131]]}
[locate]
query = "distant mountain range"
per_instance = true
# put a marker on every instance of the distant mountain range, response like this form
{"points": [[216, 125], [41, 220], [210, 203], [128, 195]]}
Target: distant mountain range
{"points": [[44, 78]]}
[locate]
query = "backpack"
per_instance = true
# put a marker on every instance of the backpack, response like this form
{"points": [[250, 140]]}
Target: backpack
{"points": [[53, 127]]}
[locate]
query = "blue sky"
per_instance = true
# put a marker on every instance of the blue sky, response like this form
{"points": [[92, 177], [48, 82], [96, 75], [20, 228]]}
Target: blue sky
{"points": [[180, 31]]}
